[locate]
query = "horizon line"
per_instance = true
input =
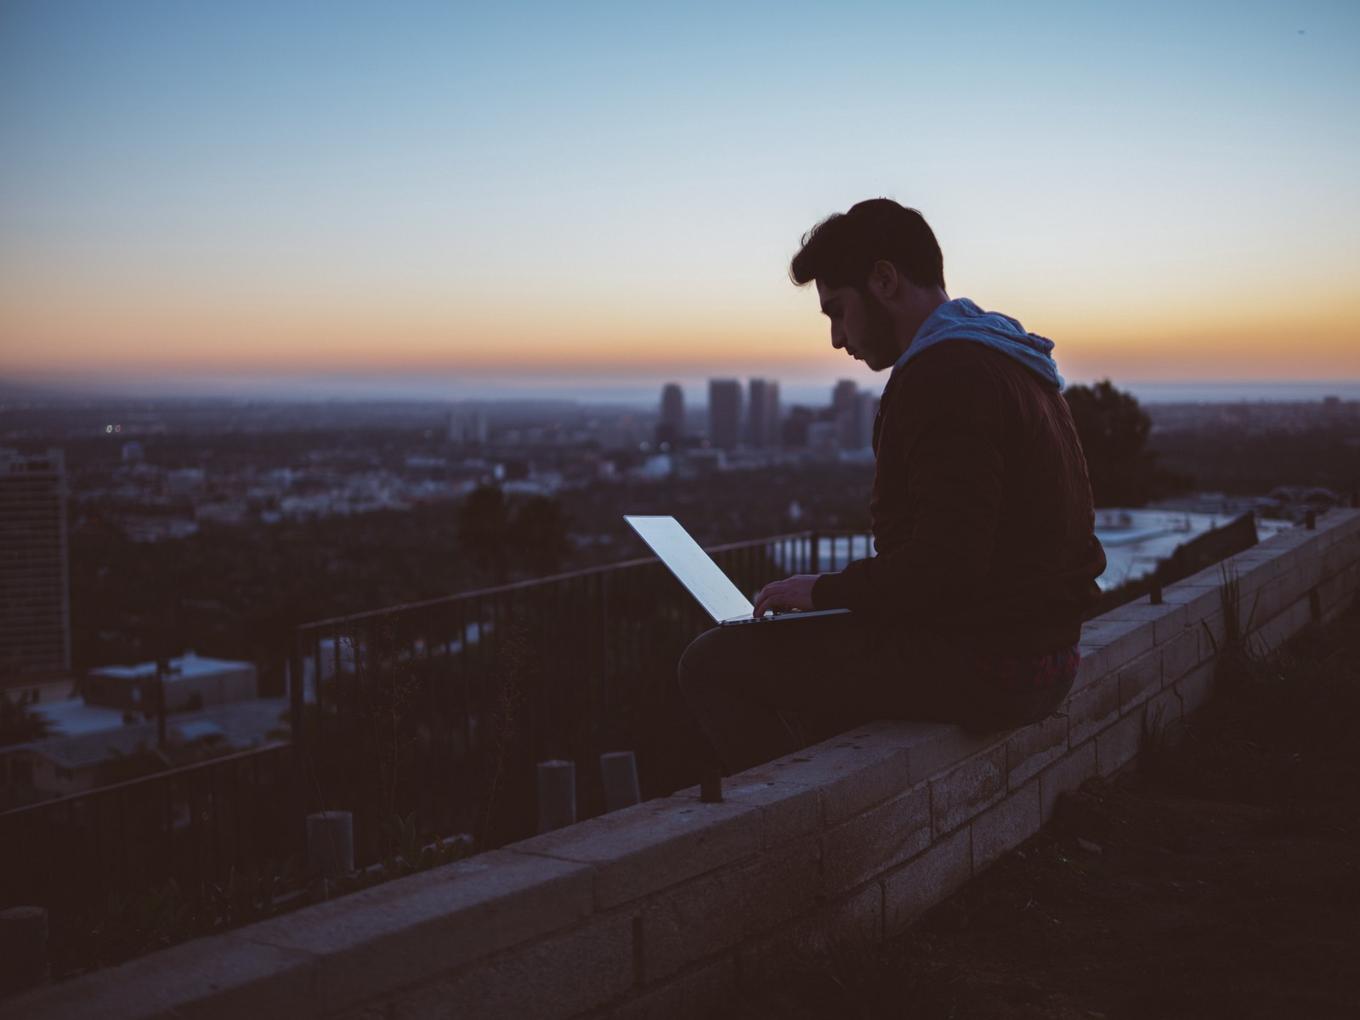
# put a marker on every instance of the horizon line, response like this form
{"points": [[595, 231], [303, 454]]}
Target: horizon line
{"points": [[634, 391]]}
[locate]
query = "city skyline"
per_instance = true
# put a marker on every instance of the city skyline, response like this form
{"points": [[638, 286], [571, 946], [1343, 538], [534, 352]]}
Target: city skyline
{"points": [[194, 196]]}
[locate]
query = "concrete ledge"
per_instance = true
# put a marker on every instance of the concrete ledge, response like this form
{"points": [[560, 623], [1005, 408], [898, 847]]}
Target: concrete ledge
{"points": [[653, 845], [398, 932], [662, 909], [226, 976]]}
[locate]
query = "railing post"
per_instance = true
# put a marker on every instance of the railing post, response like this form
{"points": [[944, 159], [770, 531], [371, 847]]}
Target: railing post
{"points": [[330, 844], [710, 787], [160, 703], [619, 776], [296, 683], [815, 556], [556, 794]]}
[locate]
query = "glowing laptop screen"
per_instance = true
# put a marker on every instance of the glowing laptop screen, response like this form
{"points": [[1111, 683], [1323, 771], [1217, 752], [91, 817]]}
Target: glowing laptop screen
{"points": [[692, 566]]}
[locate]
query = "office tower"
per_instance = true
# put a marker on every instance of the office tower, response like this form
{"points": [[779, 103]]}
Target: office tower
{"points": [[35, 609], [845, 413], [468, 427], [671, 427], [843, 396], [793, 432], [866, 410], [724, 413], [762, 415]]}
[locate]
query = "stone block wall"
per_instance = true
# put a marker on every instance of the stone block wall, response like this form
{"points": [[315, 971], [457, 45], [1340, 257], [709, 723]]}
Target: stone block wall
{"points": [[662, 909]]}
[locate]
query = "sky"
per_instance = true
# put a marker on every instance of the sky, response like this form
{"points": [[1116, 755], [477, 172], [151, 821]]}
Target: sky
{"points": [[596, 194]]}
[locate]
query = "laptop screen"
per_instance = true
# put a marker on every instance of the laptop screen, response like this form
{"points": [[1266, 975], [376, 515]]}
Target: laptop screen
{"points": [[694, 568]]}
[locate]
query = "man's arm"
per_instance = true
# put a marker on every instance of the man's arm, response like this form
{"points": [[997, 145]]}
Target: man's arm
{"points": [[950, 446]]}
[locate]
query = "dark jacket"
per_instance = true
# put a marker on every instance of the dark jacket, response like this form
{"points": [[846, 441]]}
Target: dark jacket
{"points": [[982, 515]]}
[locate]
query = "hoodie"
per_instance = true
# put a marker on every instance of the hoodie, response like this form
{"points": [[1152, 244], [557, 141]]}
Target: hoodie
{"points": [[961, 319], [981, 510]]}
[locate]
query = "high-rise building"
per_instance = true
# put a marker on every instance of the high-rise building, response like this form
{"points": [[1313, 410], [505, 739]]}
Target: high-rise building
{"points": [[35, 606], [724, 413], [845, 413], [671, 427], [843, 396], [762, 415], [866, 410], [853, 410], [468, 427], [793, 433]]}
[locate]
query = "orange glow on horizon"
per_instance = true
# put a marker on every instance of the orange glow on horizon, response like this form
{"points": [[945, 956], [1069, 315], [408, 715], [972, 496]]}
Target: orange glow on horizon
{"points": [[45, 330]]}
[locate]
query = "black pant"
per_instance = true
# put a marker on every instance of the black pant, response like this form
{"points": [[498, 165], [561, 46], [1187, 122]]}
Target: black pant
{"points": [[756, 689]]}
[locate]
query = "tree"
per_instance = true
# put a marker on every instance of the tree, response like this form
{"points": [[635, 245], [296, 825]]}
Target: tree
{"points": [[538, 534], [17, 724], [484, 529], [1114, 430]]}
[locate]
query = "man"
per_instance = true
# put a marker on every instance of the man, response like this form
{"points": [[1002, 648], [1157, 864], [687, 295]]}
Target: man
{"points": [[984, 532]]}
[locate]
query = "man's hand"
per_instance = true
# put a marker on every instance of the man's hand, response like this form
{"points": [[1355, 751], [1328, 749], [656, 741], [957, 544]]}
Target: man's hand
{"points": [[791, 593]]}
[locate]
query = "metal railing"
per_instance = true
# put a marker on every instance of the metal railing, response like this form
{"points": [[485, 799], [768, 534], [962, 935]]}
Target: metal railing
{"points": [[441, 708], [433, 712], [87, 856]]}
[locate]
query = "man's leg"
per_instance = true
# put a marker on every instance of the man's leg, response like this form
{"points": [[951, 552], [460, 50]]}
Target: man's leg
{"points": [[737, 680]]}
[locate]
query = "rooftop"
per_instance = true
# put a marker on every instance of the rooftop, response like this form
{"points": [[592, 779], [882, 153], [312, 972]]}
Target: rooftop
{"points": [[186, 666], [241, 724]]}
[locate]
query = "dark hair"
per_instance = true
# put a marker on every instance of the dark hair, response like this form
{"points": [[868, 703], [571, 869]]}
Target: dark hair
{"points": [[842, 249]]}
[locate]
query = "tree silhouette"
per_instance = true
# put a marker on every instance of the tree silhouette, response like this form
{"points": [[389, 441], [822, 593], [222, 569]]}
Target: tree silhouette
{"points": [[538, 534], [17, 724], [1114, 430], [484, 529]]}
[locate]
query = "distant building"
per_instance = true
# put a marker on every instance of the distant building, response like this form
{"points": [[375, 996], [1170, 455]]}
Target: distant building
{"points": [[724, 413], [35, 613], [185, 481], [862, 432], [762, 416], [468, 427], [670, 428], [190, 681], [228, 512], [148, 529], [794, 430], [823, 438], [843, 396], [61, 765], [853, 413], [622, 433]]}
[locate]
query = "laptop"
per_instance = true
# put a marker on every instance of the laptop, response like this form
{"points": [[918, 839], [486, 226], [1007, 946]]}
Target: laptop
{"points": [[703, 578]]}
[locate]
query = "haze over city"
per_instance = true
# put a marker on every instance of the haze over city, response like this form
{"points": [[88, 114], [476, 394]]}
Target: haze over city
{"points": [[324, 198]]}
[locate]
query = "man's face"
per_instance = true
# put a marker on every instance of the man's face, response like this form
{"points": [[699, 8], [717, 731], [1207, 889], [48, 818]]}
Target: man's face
{"points": [[859, 325]]}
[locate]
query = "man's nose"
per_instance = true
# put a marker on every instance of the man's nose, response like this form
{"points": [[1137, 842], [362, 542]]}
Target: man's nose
{"points": [[836, 342]]}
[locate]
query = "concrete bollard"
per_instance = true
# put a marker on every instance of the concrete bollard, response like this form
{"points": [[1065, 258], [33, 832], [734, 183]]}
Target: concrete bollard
{"points": [[556, 794], [619, 774], [710, 787], [330, 843], [23, 948]]}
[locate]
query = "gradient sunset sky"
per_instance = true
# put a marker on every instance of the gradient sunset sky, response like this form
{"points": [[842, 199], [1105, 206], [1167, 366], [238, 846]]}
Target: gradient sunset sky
{"points": [[612, 191]]}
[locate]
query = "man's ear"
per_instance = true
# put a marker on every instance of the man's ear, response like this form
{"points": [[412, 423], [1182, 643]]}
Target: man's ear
{"points": [[884, 283]]}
